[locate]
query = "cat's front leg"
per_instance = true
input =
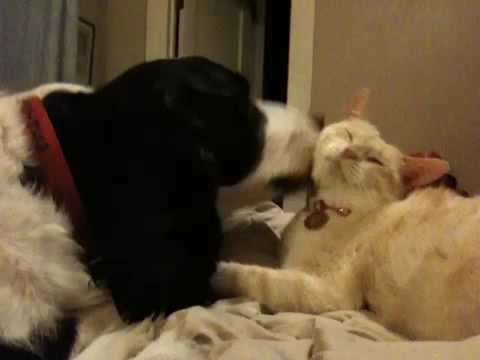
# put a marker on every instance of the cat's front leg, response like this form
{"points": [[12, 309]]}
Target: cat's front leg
{"points": [[286, 290]]}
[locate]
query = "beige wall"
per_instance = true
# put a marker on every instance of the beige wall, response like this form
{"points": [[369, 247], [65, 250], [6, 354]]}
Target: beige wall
{"points": [[211, 28], [160, 29], [94, 11], [120, 35], [125, 35], [300, 66], [422, 61]]}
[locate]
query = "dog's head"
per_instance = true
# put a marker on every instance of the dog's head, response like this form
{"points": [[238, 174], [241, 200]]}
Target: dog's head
{"points": [[256, 150], [207, 101]]}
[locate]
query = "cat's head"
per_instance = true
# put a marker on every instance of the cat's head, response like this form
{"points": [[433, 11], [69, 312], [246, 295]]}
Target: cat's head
{"points": [[351, 155]]}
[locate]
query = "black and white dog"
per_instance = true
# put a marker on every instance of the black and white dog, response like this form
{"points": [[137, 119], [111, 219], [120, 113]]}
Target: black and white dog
{"points": [[155, 155]]}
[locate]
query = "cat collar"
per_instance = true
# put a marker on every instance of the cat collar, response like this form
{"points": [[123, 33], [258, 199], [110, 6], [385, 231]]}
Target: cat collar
{"points": [[319, 217]]}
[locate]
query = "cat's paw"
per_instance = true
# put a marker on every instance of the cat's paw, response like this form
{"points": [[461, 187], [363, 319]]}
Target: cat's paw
{"points": [[225, 280], [138, 337], [133, 339]]}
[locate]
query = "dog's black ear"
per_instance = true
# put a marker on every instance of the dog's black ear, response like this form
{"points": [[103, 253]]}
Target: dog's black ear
{"points": [[208, 77], [215, 103], [203, 84]]}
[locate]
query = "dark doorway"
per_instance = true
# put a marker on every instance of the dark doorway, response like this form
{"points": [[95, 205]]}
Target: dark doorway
{"points": [[277, 45], [276, 53]]}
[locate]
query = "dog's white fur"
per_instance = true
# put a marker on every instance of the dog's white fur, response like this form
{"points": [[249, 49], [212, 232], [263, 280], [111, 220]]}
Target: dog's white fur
{"points": [[290, 139], [40, 274], [41, 277]]}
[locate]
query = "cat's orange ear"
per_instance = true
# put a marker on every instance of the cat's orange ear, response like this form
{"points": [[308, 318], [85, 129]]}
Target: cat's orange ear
{"points": [[420, 171], [357, 104]]}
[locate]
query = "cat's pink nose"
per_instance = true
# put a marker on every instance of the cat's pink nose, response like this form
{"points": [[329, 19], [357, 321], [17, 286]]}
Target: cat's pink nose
{"points": [[349, 154]]}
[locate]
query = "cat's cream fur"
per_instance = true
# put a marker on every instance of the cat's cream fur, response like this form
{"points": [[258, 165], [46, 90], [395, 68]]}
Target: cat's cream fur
{"points": [[41, 276], [412, 260]]}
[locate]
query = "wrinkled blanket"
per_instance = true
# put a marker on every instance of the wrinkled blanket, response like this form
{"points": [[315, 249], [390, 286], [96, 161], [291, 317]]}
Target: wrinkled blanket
{"points": [[240, 329]]}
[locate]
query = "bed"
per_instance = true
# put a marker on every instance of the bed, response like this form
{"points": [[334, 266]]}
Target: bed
{"points": [[243, 329]]}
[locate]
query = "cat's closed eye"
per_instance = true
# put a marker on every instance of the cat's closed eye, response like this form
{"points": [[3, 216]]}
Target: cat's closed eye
{"points": [[350, 136], [374, 160]]}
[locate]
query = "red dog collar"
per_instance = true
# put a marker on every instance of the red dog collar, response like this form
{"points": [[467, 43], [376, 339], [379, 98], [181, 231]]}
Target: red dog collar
{"points": [[54, 173]]}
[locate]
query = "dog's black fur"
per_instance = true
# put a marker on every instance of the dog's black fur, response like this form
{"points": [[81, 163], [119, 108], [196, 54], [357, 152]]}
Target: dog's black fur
{"points": [[148, 152]]}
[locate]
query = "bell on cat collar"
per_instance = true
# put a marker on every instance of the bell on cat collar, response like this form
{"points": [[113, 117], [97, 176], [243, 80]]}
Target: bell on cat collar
{"points": [[321, 206], [343, 211]]}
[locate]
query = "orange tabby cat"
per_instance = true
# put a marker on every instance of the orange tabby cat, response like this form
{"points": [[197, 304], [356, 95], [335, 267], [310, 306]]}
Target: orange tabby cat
{"points": [[414, 261]]}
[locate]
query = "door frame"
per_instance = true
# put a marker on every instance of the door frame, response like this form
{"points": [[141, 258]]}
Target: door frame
{"points": [[164, 23], [300, 68], [161, 22]]}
